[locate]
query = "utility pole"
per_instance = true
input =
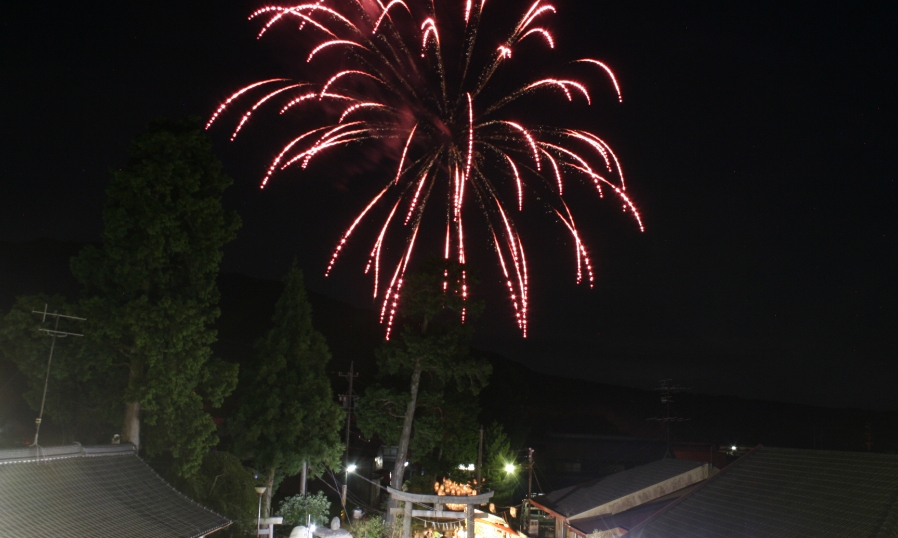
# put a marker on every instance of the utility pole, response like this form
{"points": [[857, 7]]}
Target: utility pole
{"points": [[529, 474], [526, 507], [667, 391], [54, 334], [480, 459], [347, 404]]}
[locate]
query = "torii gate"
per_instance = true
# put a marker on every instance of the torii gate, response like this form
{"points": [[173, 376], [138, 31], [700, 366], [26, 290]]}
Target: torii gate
{"points": [[437, 501]]}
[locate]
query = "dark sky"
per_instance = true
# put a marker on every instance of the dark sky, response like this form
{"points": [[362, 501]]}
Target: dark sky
{"points": [[758, 139]]}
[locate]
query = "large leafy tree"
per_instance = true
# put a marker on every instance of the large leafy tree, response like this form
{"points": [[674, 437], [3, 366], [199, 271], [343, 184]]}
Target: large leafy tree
{"points": [[151, 290], [433, 342], [287, 413]]}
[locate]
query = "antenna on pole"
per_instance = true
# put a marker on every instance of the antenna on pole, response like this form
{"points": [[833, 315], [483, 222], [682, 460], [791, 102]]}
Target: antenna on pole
{"points": [[53, 333], [667, 391]]}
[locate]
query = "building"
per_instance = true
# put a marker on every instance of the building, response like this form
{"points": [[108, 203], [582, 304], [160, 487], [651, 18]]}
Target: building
{"points": [[611, 505], [777, 492], [96, 491]]}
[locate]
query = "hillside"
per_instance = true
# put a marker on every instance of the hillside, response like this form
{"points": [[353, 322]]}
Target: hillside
{"points": [[531, 405]]}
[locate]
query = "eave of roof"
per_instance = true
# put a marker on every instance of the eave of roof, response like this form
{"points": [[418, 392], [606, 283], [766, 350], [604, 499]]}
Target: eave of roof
{"points": [[788, 492], [622, 490], [93, 491]]}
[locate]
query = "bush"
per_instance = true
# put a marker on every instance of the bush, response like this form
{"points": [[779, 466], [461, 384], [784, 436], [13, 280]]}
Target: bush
{"points": [[372, 527], [224, 485], [296, 509]]}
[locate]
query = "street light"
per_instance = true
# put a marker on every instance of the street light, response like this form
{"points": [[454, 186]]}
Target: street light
{"points": [[509, 467], [260, 490], [352, 467]]}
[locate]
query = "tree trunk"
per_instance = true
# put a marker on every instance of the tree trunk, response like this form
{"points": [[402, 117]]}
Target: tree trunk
{"points": [[266, 497], [131, 424], [402, 454]]}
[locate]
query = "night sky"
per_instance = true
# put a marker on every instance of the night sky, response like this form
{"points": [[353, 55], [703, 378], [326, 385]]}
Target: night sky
{"points": [[758, 139]]}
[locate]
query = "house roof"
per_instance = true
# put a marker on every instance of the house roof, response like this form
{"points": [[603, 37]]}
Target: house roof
{"points": [[92, 492], [578, 499], [623, 520], [776, 492]]}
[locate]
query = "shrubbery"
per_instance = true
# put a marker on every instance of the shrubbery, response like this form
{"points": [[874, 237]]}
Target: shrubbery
{"points": [[296, 509]]}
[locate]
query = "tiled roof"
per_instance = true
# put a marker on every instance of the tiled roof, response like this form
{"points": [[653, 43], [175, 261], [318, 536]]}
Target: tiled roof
{"points": [[775, 492], [624, 520], [578, 499], [93, 492]]}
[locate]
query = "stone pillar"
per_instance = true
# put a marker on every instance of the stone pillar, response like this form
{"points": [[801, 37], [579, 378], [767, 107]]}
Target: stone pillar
{"points": [[407, 520], [469, 520]]}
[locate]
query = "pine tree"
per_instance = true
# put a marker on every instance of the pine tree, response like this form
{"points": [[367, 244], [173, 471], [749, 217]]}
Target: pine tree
{"points": [[287, 413], [433, 342]]}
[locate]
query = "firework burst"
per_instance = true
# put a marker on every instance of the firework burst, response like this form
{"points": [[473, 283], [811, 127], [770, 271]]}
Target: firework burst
{"points": [[402, 82]]}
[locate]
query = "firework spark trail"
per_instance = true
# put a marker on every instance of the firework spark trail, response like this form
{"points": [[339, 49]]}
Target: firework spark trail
{"points": [[608, 70], [532, 14], [447, 244], [470, 137], [508, 283], [430, 28], [341, 74], [351, 228], [386, 9], [563, 84], [628, 203], [403, 265], [620, 170], [297, 100], [526, 287], [303, 23], [595, 145], [282, 12], [331, 43], [523, 20], [375, 254], [274, 163], [584, 166], [249, 112], [357, 106], [529, 138], [328, 139], [517, 180], [404, 152], [555, 168], [577, 251], [541, 31], [511, 237], [458, 139], [581, 249], [237, 94]]}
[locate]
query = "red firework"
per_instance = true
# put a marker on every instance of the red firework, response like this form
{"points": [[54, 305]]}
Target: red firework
{"points": [[394, 86]]}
